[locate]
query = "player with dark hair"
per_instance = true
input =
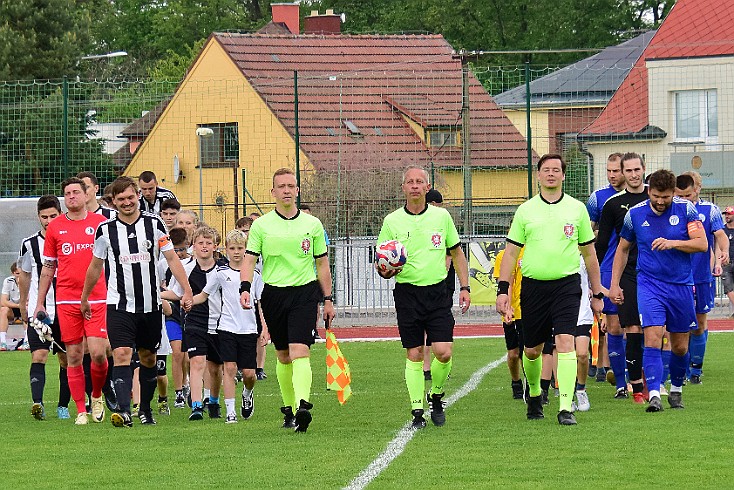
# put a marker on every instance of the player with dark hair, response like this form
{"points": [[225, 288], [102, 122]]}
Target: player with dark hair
{"points": [[666, 230], [31, 263], [552, 227], [169, 211], [705, 265], [290, 243], [422, 305], [628, 318], [67, 252], [130, 246], [151, 195]]}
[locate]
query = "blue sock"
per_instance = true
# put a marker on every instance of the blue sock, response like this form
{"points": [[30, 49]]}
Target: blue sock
{"points": [[214, 400], [697, 348], [617, 359], [652, 364], [580, 387], [666, 366], [195, 405], [678, 369]]}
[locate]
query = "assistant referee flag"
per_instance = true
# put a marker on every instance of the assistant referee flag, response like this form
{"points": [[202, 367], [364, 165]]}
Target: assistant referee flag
{"points": [[338, 375]]}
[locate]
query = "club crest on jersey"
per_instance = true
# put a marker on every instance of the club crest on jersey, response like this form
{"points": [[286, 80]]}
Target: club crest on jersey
{"points": [[702, 217], [306, 245], [436, 240], [568, 230], [673, 220], [147, 244], [89, 230]]}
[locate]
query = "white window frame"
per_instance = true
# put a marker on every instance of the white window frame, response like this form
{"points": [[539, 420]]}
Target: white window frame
{"points": [[706, 110]]}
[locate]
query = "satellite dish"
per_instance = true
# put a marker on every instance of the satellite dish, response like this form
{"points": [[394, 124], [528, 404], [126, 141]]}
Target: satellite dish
{"points": [[176, 169]]}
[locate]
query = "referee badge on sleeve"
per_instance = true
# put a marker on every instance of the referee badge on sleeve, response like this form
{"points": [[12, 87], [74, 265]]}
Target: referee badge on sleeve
{"points": [[568, 230]]}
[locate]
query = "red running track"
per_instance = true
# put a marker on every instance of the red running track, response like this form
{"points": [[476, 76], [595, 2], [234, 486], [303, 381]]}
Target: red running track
{"points": [[481, 330]]}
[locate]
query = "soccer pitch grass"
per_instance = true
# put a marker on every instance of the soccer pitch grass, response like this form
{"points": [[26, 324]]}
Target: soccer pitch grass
{"points": [[486, 442]]}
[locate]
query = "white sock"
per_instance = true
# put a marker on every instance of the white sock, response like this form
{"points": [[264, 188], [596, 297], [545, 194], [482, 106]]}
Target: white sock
{"points": [[653, 393], [229, 403], [246, 392], [3, 337], [207, 393], [676, 389]]}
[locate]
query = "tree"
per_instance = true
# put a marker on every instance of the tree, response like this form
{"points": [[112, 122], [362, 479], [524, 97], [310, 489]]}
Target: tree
{"points": [[41, 39]]}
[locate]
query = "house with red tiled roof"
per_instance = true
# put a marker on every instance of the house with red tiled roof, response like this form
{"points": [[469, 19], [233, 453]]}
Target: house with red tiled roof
{"points": [[348, 110], [676, 106]]}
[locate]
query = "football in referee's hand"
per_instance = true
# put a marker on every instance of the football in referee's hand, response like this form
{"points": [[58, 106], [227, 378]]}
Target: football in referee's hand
{"points": [[391, 256]]}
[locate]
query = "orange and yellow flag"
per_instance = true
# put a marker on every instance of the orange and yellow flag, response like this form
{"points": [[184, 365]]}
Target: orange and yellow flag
{"points": [[338, 375]]}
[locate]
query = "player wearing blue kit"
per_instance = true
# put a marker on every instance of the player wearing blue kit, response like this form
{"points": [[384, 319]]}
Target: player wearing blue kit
{"points": [[706, 265], [595, 204], [626, 318], [667, 230]]}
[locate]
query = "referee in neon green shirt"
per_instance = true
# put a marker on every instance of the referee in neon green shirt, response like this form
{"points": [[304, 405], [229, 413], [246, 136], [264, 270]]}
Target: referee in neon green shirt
{"points": [[289, 242], [552, 227], [422, 305]]}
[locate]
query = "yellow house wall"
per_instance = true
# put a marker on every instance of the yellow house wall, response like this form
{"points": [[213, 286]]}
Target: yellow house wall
{"points": [[215, 91], [489, 187], [538, 125]]}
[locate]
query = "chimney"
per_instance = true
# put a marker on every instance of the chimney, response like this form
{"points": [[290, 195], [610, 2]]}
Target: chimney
{"points": [[329, 23], [288, 14]]}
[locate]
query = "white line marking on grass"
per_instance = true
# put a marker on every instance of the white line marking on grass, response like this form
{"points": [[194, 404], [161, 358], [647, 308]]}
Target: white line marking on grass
{"points": [[405, 434]]}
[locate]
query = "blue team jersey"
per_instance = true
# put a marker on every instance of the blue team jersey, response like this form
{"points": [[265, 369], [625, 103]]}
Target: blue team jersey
{"points": [[710, 215], [596, 201], [642, 225]]}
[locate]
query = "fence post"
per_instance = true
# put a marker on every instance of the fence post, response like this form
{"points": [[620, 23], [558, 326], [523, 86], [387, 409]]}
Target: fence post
{"points": [[65, 126], [297, 135], [528, 129], [466, 147]]}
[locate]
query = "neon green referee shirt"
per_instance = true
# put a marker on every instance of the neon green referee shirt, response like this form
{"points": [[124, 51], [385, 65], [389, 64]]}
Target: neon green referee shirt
{"points": [[288, 247], [551, 234], [426, 236]]}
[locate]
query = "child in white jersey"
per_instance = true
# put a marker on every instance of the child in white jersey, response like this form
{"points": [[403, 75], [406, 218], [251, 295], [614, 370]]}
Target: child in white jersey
{"points": [[237, 330]]}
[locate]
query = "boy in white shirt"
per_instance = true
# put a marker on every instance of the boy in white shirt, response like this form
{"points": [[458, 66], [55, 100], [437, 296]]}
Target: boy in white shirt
{"points": [[237, 330]]}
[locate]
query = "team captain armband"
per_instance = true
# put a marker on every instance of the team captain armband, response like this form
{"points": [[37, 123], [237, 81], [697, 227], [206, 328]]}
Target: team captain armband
{"points": [[694, 226], [163, 241]]}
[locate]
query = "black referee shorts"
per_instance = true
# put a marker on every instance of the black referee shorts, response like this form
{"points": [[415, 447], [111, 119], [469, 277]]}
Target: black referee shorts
{"points": [[629, 313], [291, 312], [423, 310], [135, 330], [549, 308]]}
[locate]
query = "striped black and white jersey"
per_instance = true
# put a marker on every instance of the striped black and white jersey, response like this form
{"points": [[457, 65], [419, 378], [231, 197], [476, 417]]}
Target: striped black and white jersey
{"points": [[204, 316], [161, 195], [108, 213], [131, 252], [30, 259], [226, 281]]}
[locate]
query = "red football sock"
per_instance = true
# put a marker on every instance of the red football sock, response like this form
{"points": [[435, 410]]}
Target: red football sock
{"points": [[99, 378], [75, 375]]}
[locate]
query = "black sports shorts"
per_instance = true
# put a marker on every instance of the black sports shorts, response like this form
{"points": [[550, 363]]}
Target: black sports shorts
{"points": [[423, 310], [201, 343], [238, 347], [629, 314], [513, 335], [290, 313], [549, 308], [135, 330]]}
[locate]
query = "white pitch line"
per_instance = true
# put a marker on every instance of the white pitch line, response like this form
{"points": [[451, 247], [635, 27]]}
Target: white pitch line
{"points": [[405, 434]]}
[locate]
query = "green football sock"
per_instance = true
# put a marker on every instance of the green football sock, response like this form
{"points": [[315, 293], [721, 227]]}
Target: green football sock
{"points": [[566, 378], [284, 373], [416, 383], [439, 374], [302, 379], [532, 368]]}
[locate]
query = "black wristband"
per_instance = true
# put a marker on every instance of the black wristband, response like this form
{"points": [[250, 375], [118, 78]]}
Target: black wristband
{"points": [[329, 298], [503, 287], [465, 288], [245, 286]]}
